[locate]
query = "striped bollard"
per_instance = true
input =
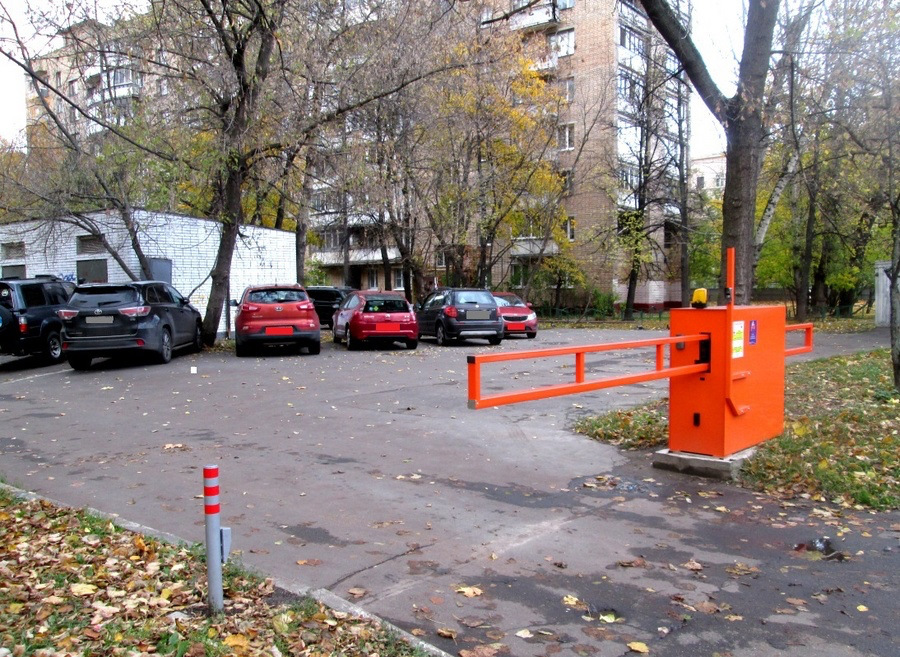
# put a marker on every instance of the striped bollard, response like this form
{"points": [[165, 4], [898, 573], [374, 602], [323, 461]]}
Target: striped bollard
{"points": [[216, 537]]}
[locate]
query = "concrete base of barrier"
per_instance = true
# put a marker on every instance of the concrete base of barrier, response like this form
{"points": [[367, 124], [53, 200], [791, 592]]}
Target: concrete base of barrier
{"points": [[701, 465]]}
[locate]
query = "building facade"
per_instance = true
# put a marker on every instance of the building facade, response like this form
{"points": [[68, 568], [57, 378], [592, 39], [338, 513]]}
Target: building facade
{"points": [[181, 249]]}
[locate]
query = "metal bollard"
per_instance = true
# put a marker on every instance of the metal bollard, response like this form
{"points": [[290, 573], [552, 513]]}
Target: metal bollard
{"points": [[218, 539]]}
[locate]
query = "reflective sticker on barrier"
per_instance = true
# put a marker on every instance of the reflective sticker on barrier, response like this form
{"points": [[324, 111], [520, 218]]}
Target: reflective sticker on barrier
{"points": [[737, 339]]}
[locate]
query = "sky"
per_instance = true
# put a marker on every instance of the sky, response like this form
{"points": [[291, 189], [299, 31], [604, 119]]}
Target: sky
{"points": [[717, 32]]}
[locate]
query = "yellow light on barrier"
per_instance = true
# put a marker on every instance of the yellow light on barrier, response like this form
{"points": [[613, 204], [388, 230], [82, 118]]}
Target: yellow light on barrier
{"points": [[698, 300]]}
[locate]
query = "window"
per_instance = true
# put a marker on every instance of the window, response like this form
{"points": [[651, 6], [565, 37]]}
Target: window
{"points": [[91, 271], [562, 43], [565, 4], [33, 295], [568, 182], [701, 182], [73, 88], [629, 176], [565, 136], [630, 88], [398, 279], [13, 250], [120, 76], [14, 271], [89, 244], [632, 40], [570, 228], [440, 259], [567, 89], [372, 278]]}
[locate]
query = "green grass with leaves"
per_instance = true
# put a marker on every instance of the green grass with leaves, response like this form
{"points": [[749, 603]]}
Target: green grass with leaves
{"points": [[76, 584], [841, 441]]}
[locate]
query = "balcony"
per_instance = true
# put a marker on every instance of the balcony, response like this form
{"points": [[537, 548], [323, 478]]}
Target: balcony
{"points": [[540, 16], [335, 258], [528, 247]]}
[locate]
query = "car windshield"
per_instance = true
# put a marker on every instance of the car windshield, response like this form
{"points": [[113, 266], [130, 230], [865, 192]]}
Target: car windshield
{"points": [[97, 297], [386, 305], [509, 300], [277, 296], [475, 296]]}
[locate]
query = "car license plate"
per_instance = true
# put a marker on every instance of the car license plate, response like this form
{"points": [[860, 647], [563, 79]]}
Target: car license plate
{"points": [[515, 326], [478, 314], [100, 319], [279, 330], [384, 327]]}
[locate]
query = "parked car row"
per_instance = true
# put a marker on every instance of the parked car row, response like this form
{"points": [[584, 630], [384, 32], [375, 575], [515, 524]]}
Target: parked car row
{"points": [[57, 320]]}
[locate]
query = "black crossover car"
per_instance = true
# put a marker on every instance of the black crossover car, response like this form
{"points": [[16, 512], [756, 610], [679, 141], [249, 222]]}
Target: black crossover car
{"points": [[28, 320], [460, 313], [326, 299], [116, 319]]}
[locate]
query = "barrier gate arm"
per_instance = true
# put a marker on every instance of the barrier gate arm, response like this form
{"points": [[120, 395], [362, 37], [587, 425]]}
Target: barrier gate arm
{"points": [[807, 339], [477, 400]]}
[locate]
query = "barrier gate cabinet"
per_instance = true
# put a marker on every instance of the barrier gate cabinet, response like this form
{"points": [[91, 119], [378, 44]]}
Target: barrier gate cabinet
{"points": [[740, 401]]}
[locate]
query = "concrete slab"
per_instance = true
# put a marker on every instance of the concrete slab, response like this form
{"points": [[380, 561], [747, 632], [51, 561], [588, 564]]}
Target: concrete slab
{"points": [[728, 468]]}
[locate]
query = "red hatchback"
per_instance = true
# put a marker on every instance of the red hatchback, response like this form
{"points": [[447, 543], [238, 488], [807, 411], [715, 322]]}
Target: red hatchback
{"points": [[276, 315], [372, 315], [518, 317]]}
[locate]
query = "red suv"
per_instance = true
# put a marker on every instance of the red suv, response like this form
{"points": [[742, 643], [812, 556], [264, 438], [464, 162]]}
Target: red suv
{"points": [[371, 315], [276, 315]]}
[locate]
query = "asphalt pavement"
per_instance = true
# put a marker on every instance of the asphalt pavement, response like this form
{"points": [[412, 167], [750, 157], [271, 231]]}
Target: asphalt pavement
{"points": [[501, 527]]}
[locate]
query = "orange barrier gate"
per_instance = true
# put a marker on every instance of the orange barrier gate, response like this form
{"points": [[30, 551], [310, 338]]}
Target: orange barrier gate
{"points": [[726, 374], [477, 400]]}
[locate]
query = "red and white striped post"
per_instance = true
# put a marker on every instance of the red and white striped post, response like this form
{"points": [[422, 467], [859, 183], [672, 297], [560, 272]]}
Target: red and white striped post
{"points": [[214, 552]]}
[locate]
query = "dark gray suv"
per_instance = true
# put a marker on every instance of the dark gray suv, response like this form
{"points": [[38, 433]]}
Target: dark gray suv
{"points": [[460, 313], [28, 321]]}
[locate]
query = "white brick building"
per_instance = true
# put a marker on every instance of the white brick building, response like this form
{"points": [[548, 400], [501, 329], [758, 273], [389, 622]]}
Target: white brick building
{"points": [[182, 249]]}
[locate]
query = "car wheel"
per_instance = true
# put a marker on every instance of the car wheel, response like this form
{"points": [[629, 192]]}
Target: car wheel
{"points": [[197, 342], [314, 348], [240, 349], [531, 335], [440, 336], [53, 347], [495, 340], [352, 343], [79, 362], [164, 355], [412, 344], [335, 338]]}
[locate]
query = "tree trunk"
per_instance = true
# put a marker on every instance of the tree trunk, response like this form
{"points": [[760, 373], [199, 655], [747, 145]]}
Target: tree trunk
{"points": [[232, 219]]}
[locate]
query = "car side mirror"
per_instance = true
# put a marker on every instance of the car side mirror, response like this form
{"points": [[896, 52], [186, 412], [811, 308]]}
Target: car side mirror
{"points": [[529, 304], [233, 303], [417, 307], [335, 305]]}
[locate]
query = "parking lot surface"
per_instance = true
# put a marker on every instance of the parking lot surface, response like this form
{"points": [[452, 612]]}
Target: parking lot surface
{"points": [[365, 474]]}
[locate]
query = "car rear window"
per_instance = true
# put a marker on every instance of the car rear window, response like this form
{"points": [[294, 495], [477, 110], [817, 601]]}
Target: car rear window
{"points": [[97, 297], [509, 301], [277, 296], [6, 296], [475, 296], [389, 305]]}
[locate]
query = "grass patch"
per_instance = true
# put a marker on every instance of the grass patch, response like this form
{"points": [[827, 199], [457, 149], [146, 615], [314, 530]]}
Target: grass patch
{"points": [[641, 427], [77, 584], [841, 441]]}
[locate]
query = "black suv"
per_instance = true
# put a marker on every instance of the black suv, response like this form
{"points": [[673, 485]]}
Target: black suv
{"points": [[28, 321], [460, 313], [326, 300]]}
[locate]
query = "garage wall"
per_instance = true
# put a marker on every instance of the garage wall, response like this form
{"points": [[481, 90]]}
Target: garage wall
{"points": [[262, 255]]}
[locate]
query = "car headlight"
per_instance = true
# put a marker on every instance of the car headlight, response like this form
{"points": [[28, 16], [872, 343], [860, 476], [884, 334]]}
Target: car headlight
{"points": [[531, 317]]}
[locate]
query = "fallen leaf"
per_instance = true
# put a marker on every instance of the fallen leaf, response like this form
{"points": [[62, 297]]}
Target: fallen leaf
{"points": [[862, 608], [309, 562], [640, 562], [797, 602], [638, 646], [470, 591], [83, 589], [357, 592], [692, 565], [524, 634], [447, 633]]}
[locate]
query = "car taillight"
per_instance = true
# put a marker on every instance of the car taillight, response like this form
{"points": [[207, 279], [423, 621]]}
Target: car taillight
{"points": [[306, 305], [23, 325], [135, 311], [249, 308], [67, 314], [451, 311]]}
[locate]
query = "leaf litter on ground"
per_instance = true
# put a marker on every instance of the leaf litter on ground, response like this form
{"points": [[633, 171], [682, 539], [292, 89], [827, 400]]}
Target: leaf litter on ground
{"points": [[74, 583]]}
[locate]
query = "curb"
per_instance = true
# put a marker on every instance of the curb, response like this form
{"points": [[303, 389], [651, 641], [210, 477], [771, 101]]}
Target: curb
{"points": [[323, 596]]}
